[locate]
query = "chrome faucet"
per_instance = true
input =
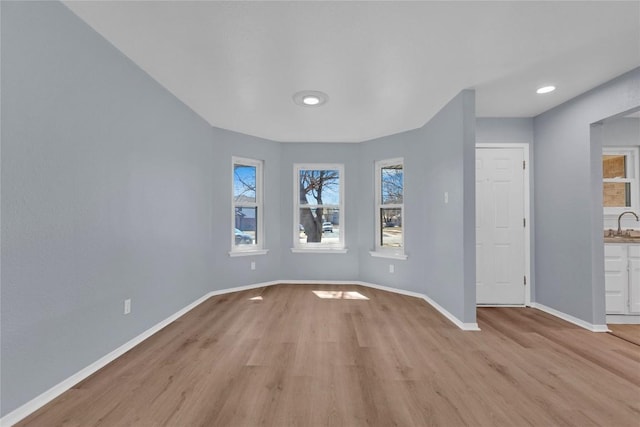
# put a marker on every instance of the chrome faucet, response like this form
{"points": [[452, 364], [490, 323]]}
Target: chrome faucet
{"points": [[620, 217]]}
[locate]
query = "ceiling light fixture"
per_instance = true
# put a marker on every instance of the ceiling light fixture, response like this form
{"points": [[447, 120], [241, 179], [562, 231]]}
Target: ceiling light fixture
{"points": [[546, 89], [310, 98]]}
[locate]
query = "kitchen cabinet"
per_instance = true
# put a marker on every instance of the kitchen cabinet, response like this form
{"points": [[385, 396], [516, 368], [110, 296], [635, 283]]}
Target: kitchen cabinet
{"points": [[634, 279], [622, 278]]}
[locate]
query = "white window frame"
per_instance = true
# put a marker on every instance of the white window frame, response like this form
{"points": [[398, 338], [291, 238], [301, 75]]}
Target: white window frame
{"points": [[319, 247], [632, 154], [380, 251], [259, 247]]}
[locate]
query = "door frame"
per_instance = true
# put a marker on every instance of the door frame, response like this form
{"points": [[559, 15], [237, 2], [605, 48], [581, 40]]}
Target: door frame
{"points": [[524, 147]]}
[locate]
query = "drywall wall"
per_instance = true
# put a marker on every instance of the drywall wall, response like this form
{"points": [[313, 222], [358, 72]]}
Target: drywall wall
{"points": [[106, 195], [568, 199], [514, 131], [440, 237], [504, 130], [236, 271], [376, 270], [113, 189], [621, 132], [320, 266]]}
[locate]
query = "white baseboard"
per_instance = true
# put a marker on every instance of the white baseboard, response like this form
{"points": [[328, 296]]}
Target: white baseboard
{"points": [[501, 305], [55, 391], [36, 403], [241, 288], [441, 310], [319, 282], [453, 319], [462, 325], [564, 316]]}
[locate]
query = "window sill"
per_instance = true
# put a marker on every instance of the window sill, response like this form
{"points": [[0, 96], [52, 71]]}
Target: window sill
{"points": [[248, 253], [380, 254], [319, 250]]}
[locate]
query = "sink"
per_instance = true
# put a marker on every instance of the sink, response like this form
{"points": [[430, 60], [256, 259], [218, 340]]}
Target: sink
{"points": [[630, 236]]}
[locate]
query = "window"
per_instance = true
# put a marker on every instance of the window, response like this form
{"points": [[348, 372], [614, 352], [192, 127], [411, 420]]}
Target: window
{"points": [[620, 180], [318, 208], [247, 231], [389, 208]]}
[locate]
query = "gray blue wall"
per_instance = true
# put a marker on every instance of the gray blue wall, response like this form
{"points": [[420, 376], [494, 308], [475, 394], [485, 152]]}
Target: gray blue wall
{"points": [[514, 131], [313, 266], [229, 271], [440, 238], [407, 273], [622, 132], [569, 247], [504, 130], [114, 189], [106, 195]]}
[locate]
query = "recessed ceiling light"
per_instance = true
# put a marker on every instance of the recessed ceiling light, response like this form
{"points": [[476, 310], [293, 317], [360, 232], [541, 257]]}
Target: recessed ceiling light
{"points": [[310, 98], [546, 89]]}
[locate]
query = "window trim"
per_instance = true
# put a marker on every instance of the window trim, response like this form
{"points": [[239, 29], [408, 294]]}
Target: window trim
{"points": [[256, 248], [632, 153], [380, 251], [317, 247]]}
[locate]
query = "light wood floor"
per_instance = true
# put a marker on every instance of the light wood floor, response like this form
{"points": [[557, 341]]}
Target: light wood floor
{"points": [[293, 359], [630, 333]]}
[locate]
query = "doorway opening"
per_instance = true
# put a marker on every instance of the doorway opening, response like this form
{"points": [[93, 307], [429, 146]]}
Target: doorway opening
{"points": [[619, 137]]}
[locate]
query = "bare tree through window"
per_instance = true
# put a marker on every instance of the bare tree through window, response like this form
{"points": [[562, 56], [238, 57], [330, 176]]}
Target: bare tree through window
{"points": [[247, 204], [318, 190], [390, 205]]}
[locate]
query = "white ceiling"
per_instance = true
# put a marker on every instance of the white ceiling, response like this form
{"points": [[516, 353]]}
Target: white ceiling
{"points": [[387, 67]]}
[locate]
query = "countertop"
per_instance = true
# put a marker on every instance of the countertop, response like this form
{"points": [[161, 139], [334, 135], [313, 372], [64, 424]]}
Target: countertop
{"points": [[629, 236]]}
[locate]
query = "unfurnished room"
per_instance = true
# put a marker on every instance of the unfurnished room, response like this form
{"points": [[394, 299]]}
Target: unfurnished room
{"points": [[320, 213]]}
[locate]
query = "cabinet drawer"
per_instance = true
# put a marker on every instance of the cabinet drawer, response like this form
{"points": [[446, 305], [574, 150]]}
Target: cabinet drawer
{"points": [[634, 251], [615, 251]]}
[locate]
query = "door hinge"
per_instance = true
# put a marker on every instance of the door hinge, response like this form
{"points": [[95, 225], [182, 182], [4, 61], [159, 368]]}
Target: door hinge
{"points": [[525, 280], [524, 164], [524, 222]]}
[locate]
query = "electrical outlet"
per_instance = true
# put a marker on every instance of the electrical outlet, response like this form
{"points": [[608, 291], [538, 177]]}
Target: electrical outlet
{"points": [[127, 306], [446, 197], [392, 268], [253, 265]]}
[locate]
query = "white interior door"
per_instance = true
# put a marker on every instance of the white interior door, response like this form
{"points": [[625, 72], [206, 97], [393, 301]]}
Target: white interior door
{"points": [[500, 227]]}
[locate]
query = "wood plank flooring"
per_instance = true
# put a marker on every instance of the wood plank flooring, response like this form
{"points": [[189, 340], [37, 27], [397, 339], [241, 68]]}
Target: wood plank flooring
{"points": [[293, 359], [630, 333]]}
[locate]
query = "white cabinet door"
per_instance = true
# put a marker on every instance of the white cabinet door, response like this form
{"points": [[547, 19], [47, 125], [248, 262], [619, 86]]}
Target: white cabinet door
{"points": [[634, 279], [616, 278]]}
